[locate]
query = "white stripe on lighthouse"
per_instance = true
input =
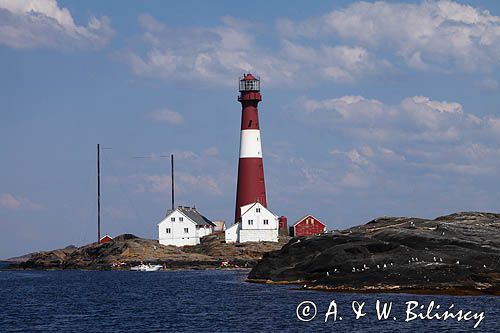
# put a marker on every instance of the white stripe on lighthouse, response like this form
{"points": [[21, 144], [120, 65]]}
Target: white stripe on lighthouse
{"points": [[250, 144]]}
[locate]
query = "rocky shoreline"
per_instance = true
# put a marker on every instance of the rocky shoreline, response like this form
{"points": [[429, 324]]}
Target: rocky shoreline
{"points": [[128, 250], [457, 254]]}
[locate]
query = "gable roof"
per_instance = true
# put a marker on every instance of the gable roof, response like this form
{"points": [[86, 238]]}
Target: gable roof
{"points": [[250, 206], [106, 236], [246, 208], [195, 216], [192, 214], [306, 216]]}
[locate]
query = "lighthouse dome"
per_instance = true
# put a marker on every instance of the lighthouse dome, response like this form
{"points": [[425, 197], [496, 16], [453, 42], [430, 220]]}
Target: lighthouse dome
{"points": [[248, 82]]}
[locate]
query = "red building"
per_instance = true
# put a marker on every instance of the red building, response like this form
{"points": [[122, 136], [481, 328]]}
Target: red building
{"points": [[307, 226], [283, 226], [105, 239]]}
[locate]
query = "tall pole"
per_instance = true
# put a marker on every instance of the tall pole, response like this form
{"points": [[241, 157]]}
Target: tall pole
{"points": [[98, 194], [172, 168]]}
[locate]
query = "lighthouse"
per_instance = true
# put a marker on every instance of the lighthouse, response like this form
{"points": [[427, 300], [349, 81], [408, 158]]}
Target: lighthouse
{"points": [[251, 186], [253, 222]]}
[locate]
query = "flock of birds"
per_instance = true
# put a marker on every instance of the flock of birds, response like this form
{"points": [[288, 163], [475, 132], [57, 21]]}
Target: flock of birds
{"points": [[391, 264]]}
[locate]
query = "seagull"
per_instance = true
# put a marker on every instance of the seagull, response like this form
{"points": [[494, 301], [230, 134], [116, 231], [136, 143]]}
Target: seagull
{"points": [[416, 259], [335, 270], [327, 274], [305, 286], [458, 262], [409, 261], [484, 266], [434, 258], [385, 266], [442, 234], [391, 263], [364, 266], [378, 266], [353, 269], [441, 259]]}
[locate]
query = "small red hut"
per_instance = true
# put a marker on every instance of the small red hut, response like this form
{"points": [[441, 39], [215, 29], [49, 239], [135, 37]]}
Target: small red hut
{"points": [[283, 226], [105, 239], [307, 226]]}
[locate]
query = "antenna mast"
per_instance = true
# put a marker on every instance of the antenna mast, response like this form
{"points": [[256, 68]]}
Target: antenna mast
{"points": [[172, 167], [98, 194]]}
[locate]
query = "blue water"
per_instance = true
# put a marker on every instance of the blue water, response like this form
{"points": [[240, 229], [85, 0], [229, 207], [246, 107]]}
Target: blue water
{"points": [[201, 301]]}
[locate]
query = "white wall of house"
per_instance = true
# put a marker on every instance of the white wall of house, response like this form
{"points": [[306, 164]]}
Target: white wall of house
{"points": [[177, 229], [232, 233], [257, 224]]}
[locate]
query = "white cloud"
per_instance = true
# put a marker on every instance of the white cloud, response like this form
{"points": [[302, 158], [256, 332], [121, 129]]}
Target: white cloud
{"points": [[196, 174], [10, 201], [220, 54], [488, 85], [42, 23], [419, 132], [415, 118], [169, 116], [443, 34], [352, 179]]}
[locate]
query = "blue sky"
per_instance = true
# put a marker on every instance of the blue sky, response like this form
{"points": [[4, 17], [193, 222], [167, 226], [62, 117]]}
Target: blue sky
{"points": [[369, 109]]}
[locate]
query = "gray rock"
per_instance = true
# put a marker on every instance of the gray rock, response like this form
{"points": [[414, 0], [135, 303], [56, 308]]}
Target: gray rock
{"points": [[470, 238]]}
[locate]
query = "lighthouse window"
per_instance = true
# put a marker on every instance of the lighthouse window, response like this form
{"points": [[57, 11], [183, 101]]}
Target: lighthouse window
{"points": [[250, 222], [172, 219], [186, 230], [168, 230], [257, 210], [181, 219], [250, 123], [266, 221]]}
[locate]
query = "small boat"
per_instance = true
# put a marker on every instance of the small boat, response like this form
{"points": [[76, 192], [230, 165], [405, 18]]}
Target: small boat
{"points": [[146, 268]]}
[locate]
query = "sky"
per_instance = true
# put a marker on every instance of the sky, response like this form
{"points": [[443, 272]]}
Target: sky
{"points": [[369, 109]]}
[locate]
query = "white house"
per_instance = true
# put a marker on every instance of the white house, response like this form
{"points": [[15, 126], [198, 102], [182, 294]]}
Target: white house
{"points": [[257, 224], [220, 225], [183, 226]]}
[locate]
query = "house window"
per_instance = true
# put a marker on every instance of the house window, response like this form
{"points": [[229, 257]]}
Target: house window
{"points": [[257, 210], [181, 219], [250, 222], [168, 230], [266, 221], [172, 219], [186, 230]]}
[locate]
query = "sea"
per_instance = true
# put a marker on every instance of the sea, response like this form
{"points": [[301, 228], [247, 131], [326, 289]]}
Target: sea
{"points": [[216, 301]]}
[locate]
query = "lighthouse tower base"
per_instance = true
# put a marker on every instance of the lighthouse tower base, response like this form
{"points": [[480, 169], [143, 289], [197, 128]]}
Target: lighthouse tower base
{"points": [[257, 224]]}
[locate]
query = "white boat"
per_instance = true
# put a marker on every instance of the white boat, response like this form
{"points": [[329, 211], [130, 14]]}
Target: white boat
{"points": [[146, 268]]}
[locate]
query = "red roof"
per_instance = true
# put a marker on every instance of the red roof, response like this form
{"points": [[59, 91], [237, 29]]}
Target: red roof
{"points": [[105, 239], [248, 77]]}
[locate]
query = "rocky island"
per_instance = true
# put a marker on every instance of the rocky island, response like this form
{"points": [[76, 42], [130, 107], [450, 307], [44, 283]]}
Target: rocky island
{"points": [[453, 254], [128, 250]]}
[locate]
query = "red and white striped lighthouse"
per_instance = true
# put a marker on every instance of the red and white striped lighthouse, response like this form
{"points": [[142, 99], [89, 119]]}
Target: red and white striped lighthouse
{"points": [[251, 186]]}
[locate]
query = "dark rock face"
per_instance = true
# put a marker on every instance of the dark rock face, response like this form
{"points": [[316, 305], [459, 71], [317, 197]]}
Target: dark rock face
{"points": [[458, 253], [129, 250]]}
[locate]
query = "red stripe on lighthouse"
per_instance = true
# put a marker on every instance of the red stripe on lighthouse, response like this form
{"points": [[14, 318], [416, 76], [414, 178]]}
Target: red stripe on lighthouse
{"points": [[251, 185]]}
